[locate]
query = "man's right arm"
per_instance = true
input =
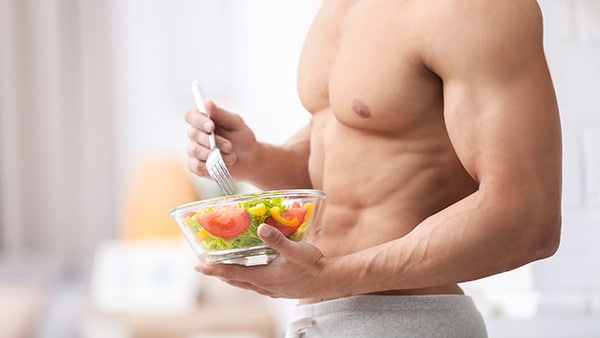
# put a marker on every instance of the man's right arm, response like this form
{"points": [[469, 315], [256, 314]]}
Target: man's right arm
{"points": [[265, 165]]}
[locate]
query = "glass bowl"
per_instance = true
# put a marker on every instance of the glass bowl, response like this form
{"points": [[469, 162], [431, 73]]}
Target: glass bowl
{"points": [[224, 229]]}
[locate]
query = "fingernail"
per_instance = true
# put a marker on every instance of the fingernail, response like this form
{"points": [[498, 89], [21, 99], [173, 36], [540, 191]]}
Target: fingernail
{"points": [[265, 230], [207, 126]]}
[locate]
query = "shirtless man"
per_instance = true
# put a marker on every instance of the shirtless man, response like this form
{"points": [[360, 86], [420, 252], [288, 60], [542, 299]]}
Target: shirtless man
{"points": [[435, 134]]}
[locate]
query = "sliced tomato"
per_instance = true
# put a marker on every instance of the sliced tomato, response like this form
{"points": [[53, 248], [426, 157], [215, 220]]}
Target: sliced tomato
{"points": [[189, 214], [289, 220], [226, 222], [187, 218]]}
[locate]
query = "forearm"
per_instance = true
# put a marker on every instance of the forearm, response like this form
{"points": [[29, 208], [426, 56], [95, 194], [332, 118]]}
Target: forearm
{"points": [[476, 237], [281, 167]]}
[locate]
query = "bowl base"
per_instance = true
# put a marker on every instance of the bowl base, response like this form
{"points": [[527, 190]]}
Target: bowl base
{"points": [[258, 255]]}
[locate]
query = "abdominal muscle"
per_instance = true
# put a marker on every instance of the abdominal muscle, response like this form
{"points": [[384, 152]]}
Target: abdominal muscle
{"points": [[379, 188]]}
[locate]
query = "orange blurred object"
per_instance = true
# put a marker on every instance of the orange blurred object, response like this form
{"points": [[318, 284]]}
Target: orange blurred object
{"points": [[158, 184]]}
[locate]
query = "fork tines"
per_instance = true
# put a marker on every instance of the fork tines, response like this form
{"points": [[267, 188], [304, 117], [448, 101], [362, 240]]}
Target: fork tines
{"points": [[219, 172]]}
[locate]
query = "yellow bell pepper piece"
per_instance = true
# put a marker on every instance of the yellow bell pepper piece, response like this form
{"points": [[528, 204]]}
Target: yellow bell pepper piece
{"points": [[258, 210], [309, 209], [202, 234], [276, 214]]}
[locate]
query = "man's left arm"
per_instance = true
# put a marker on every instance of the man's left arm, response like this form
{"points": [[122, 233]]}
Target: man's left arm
{"points": [[502, 118]]}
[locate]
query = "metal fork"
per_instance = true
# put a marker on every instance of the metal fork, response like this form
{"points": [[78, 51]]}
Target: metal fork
{"points": [[214, 163]]}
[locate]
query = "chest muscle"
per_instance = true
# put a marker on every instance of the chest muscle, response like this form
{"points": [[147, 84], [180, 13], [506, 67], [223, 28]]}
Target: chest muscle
{"points": [[362, 63]]}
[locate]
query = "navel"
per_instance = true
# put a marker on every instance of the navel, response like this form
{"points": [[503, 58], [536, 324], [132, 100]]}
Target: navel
{"points": [[360, 108]]}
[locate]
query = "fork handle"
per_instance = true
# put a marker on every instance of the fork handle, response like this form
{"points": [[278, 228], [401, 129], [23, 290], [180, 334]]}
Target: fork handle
{"points": [[211, 141], [198, 97]]}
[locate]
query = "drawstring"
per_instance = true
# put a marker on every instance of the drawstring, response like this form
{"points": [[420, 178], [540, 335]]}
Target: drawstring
{"points": [[297, 328]]}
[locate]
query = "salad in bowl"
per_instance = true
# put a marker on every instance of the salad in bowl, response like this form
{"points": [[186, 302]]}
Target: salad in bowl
{"points": [[224, 229]]}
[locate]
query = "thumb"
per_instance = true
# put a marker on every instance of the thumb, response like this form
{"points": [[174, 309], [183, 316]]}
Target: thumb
{"points": [[273, 238], [222, 117]]}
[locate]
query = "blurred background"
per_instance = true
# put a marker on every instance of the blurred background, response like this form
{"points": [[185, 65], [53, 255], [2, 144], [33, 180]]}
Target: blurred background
{"points": [[92, 157]]}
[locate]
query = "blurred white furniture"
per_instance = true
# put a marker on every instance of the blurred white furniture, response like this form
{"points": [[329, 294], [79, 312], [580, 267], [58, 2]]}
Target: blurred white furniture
{"points": [[149, 289], [546, 327]]}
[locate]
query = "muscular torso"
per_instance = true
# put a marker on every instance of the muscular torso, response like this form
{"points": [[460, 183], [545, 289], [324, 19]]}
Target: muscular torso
{"points": [[379, 147]]}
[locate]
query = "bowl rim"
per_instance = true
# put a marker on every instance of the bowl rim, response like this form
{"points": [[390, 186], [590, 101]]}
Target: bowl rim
{"points": [[216, 201]]}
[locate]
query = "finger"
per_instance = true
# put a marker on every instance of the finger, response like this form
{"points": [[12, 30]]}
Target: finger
{"points": [[199, 121], [229, 159], [201, 137], [196, 166], [229, 156], [275, 239], [198, 136], [228, 272], [238, 276], [249, 286], [197, 151], [223, 144]]}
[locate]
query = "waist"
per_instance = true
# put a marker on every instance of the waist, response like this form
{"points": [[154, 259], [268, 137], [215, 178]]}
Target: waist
{"points": [[377, 302], [447, 290]]}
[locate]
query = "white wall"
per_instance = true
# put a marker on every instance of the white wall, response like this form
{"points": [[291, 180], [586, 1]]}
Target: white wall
{"points": [[571, 280], [244, 53]]}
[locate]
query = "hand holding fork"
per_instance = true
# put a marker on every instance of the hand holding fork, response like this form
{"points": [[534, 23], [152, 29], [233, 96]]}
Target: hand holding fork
{"points": [[214, 163]]}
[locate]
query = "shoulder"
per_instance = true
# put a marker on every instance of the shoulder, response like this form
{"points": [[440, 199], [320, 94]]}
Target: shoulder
{"points": [[464, 32], [484, 14]]}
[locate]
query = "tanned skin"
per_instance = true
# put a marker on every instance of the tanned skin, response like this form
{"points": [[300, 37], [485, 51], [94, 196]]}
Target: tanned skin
{"points": [[435, 134]]}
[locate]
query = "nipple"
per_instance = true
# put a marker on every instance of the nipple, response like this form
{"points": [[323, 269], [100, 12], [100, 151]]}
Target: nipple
{"points": [[360, 108]]}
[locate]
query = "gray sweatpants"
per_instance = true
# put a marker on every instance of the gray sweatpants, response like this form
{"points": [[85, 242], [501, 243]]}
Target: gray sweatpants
{"points": [[389, 316]]}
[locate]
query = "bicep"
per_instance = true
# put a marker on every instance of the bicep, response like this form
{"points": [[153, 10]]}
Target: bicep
{"points": [[499, 103], [505, 131]]}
